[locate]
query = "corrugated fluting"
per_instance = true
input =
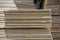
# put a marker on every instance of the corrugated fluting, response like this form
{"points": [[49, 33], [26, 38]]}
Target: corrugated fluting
{"points": [[55, 6], [28, 19], [7, 5], [29, 34], [26, 25]]}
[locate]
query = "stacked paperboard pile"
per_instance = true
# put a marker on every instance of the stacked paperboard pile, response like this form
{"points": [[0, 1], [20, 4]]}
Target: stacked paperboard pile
{"points": [[7, 5], [24, 24], [2, 34], [2, 19], [55, 6], [28, 18], [56, 27], [29, 34], [24, 4], [2, 25], [27, 25]]}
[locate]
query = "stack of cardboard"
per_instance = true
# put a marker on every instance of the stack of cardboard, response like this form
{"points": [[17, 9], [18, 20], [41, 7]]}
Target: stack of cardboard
{"points": [[2, 34], [31, 18], [2, 19], [2, 25], [55, 6], [7, 5], [29, 34], [24, 4], [27, 25]]}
